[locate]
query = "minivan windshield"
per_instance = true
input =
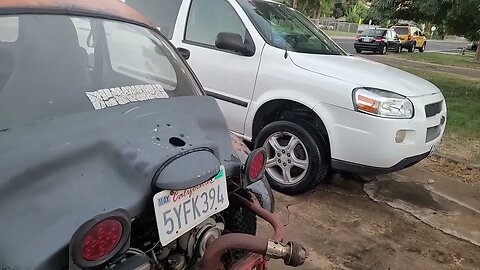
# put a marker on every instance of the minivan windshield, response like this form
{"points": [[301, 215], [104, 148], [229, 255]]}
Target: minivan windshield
{"points": [[288, 29], [54, 65]]}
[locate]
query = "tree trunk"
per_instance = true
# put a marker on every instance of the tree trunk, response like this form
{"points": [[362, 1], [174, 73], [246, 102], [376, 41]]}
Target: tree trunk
{"points": [[477, 55]]}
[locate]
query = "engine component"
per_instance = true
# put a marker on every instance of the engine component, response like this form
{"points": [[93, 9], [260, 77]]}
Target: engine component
{"points": [[195, 242], [165, 251], [177, 261]]}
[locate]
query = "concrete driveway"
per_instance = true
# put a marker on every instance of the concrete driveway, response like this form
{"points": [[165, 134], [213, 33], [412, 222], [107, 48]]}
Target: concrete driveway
{"points": [[407, 220]]}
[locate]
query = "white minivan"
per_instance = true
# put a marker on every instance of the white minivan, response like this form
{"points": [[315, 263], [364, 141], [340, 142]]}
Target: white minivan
{"points": [[285, 85]]}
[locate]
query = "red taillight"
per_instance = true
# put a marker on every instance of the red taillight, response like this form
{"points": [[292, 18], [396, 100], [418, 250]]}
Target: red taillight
{"points": [[101, 239], [257, 165], [378, 39]]}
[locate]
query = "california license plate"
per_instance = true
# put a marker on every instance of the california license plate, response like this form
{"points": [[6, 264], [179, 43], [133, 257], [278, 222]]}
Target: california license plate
{"points": [[179, 211], [367, 39]]}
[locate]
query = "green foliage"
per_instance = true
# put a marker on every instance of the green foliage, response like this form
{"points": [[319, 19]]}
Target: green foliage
{"points": [[353, 9], [357, 12], [460, 17], [464, 19]]}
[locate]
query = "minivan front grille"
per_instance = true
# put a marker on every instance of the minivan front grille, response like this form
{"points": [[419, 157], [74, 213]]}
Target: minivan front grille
{"points": [[433, 109], [433, 133]]}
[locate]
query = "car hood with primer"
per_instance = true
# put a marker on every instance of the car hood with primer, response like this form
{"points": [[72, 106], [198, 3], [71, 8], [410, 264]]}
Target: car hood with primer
{"points": [[58, 173], [364, 73]]}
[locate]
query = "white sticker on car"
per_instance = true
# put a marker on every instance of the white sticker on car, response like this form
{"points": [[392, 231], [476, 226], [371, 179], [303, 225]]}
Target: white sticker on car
{"points": [[111, 97]]}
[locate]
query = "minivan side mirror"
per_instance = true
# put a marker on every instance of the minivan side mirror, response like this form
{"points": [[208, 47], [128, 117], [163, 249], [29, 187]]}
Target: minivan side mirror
{"points": [[232, 42]]}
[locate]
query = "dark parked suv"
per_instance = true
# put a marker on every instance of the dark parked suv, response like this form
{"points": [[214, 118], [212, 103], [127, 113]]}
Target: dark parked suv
{"points": [[378, 40]]}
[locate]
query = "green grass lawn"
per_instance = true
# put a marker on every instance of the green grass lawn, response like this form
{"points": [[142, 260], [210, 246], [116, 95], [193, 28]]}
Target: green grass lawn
{"points": [[443, 59], [462, 95]]}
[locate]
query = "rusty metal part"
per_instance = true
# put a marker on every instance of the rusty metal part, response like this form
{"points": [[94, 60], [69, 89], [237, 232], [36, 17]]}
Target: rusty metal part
{"points": [[212, 258], [113, 9], [273, 219], [293, 254]]}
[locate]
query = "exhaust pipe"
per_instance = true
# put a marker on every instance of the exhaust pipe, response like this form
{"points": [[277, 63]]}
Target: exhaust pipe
{"points": [[292, 253]]}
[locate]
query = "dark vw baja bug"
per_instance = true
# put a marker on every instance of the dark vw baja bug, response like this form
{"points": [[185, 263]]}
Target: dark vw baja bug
{"points": [[112, 157]]}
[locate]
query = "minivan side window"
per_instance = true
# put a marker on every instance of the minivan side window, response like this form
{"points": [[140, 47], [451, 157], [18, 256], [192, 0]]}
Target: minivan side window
{"points": [[163, 13], [207, 18]]}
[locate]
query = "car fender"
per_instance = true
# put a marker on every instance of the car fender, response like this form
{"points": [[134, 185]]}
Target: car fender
{"points": [[300, 97]]}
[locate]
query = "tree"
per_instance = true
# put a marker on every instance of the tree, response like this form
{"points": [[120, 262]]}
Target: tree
{"points": [[357, 12], [460, 17], [313, 8], [464, 19]]}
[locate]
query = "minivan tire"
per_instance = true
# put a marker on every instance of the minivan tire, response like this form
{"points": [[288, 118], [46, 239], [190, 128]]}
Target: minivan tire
{"points": [[310, 149]]}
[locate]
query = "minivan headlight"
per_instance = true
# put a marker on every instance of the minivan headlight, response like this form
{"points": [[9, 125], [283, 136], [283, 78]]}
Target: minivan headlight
{"points": [[382, 103]]}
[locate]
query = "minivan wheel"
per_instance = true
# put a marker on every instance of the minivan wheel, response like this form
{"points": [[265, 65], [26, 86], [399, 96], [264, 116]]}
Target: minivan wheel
{"points": [[296, 156]]}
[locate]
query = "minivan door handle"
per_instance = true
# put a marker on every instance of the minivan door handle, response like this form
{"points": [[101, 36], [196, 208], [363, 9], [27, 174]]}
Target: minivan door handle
{"points": [[184, 53]]}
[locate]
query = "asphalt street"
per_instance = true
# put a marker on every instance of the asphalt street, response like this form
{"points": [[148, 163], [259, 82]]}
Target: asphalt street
{"points": [[432, 45]]}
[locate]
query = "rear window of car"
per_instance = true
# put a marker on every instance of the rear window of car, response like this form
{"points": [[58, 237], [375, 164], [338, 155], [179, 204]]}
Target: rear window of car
{"points": [[163, 13], [401, 30], [55, 65], [374, 32], [9, 29]]}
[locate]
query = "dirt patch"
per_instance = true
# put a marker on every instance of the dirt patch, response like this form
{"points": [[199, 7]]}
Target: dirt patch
{"points": [[467, 150], [344, 229], [459, 171], [458, 158]]}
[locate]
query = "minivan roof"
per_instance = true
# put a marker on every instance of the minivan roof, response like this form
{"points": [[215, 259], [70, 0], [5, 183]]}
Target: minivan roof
{"points": [[109, 9]]}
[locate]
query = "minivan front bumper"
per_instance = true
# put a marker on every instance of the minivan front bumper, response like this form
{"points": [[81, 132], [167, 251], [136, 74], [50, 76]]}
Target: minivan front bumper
{"points": [[369, 144], [370, 170]]}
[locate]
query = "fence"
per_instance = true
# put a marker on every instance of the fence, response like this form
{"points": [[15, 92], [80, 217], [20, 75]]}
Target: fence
{"points": [[334, 25]]}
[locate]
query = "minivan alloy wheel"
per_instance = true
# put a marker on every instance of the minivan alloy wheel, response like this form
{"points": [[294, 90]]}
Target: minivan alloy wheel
{"points": [[297, 155], [287, 158]]}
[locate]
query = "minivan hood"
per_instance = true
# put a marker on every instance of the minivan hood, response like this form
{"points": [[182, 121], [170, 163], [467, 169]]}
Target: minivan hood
{"points": [[364, 73]]}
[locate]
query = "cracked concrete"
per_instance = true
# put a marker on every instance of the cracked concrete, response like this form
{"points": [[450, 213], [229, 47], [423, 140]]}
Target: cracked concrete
{"points": [[441, 204], [343, 228]]}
